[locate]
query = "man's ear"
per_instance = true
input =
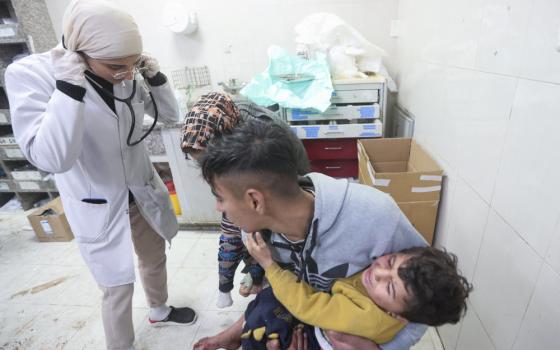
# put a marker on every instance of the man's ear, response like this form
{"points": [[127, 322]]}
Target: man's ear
{"points": [[256, 199]]}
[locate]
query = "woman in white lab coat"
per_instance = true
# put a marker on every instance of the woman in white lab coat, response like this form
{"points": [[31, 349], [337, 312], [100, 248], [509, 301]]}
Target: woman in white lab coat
{"points": [[66, 122]]}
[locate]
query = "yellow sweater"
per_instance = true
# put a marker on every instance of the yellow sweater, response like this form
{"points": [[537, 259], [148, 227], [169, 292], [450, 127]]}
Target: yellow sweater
{"points": [[347, 309]]}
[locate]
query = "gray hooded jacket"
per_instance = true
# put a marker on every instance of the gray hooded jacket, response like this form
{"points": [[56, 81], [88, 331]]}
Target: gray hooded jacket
{"points": [[352, 225]]}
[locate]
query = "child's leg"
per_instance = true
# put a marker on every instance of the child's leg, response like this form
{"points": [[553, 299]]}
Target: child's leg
{"points": [[230, 254]]}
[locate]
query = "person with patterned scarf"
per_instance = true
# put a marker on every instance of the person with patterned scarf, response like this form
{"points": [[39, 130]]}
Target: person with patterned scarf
{"points": [[215, 115]]}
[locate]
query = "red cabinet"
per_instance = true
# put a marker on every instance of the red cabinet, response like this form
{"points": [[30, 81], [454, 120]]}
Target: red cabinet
{"points": [[333, 157]]}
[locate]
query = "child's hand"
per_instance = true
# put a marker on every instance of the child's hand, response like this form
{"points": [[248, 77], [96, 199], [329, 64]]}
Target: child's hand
{"points": [[259, 250]]}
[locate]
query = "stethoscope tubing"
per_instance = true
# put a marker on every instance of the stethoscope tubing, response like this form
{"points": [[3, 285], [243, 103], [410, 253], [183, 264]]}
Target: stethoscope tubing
{"points": [[128, 102]]}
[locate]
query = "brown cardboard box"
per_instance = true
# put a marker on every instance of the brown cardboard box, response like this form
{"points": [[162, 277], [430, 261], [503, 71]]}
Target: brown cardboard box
{"points": [[50, 224], [403, 169]]}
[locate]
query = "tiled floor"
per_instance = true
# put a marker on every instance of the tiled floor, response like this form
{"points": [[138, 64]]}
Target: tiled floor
{"points": [[67, 315]]}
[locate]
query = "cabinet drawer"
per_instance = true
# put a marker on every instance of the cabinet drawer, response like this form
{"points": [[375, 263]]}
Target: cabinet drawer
{"points": [[334, 112], [338, 131], [336, 168], [331, 149], [355, 96]]}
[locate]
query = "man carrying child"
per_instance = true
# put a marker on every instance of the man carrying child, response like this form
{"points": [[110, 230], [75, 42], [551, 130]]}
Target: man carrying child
{"points": [[318, 227]]}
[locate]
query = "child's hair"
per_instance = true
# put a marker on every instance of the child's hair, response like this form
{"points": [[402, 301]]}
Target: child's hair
{"points": [[438, 292], [267, 152]]}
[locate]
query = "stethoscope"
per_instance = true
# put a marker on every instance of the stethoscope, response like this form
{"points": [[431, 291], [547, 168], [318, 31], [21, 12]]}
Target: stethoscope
{"points": [[128, 102]]}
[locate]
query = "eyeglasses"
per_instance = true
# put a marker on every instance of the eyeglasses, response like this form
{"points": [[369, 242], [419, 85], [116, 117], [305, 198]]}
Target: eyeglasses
{"points": [[137, 67], [133, 71]]}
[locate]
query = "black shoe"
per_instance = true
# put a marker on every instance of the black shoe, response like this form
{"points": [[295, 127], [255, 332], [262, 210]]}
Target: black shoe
{"points": [[181, 316]]}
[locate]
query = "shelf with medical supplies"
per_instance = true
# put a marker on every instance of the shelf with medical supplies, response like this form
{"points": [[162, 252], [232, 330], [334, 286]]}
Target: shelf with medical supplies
{"points": [[5, 118], [12, 33], [357, 111], [23, 30], [8, 185], [11, 152]]}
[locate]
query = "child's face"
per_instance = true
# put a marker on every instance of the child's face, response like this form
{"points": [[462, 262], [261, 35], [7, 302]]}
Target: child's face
{"points": [[383, 284]]}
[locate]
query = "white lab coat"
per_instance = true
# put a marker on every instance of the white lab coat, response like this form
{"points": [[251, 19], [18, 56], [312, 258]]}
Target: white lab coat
{"points": [[84, 145]]}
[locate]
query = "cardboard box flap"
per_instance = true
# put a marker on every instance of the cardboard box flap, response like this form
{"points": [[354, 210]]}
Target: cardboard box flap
{"points": [[417, 177], [54, 206], [420, 161], [423, 216], [391, 167], [387, 150]]}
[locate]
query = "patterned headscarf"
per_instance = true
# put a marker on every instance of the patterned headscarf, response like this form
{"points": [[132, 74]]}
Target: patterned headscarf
{"points": [[213, 114]]}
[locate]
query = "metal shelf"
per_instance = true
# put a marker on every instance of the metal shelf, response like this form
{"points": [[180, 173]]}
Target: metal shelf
{"points": [[26, 184], [5, 117], [12, 34]]}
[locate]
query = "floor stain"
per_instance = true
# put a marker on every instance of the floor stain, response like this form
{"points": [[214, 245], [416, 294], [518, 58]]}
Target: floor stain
{"points": [[79, 325], [41, 287]]}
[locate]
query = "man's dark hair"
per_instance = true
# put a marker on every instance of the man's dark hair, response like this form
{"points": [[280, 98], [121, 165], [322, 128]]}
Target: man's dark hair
{"points": [[438, 292], [267, 152]]}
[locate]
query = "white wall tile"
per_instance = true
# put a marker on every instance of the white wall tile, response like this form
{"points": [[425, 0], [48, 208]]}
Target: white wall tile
{"points": [[449, 334], [446, 202], [473, 336], [480, 105], [540, 328], [421, 36], [466, 229], [553, 255], [422, 91], [541, 59], [527, 188], [444, 120], [460, 64], [503, 34], [504, 280], [460, 31]]}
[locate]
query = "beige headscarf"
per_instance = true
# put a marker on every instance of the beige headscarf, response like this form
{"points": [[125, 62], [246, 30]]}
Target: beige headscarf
{"points": [[100, 30]]}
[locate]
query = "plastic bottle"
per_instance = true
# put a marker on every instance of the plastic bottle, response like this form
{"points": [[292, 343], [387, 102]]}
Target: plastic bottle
{"points": [[173, 195]]}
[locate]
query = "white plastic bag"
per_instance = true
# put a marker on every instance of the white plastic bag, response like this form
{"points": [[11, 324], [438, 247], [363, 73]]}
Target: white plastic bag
{"points": [[349, 53]]}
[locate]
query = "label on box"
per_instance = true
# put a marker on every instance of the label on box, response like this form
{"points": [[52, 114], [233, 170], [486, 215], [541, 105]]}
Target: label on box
{"points": [[13, 153], [6, 32], [425, 189], [46, 227], [381, 182], [29, 186], [431, 178], [3, 118], [371, 172], [26, 175], [4, 186]]}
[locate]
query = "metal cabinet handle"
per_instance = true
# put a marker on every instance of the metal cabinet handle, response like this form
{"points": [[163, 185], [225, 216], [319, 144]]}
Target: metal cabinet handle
{"points": [[332, 148], [333, 167], [334, 132]]}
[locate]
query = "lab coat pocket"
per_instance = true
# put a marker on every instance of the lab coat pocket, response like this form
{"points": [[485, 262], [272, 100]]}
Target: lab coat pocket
{"points": [[155, 205], [153, 191], [88, 221]]}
